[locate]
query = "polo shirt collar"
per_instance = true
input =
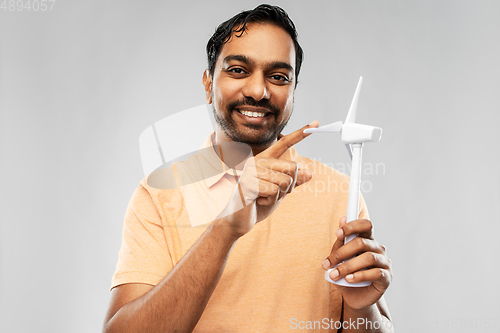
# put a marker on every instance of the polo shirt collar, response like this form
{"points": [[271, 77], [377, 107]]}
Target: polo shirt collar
{"points": [[213, 160]]}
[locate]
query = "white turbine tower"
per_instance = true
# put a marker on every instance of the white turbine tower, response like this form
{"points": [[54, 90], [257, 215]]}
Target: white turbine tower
{"points": [[353, 135]]}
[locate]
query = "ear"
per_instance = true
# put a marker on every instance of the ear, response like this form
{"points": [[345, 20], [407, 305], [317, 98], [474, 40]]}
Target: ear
{"points": [[207, 82]]}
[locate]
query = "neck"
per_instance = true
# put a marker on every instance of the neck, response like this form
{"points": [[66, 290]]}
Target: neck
{"points": [[233, 154]]}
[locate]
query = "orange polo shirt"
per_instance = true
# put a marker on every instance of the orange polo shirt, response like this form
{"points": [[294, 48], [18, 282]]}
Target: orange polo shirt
{"points": [[273, 280]]}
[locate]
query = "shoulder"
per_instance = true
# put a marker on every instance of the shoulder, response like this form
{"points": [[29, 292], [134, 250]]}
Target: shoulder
{"points": [[161, 189], [161, 179]]}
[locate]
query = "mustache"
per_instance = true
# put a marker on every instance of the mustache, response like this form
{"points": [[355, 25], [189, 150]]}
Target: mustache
{"points": [[263, 103]]}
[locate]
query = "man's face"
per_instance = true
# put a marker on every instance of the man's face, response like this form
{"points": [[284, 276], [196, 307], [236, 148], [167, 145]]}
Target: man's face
{"points": [[253, 85]]}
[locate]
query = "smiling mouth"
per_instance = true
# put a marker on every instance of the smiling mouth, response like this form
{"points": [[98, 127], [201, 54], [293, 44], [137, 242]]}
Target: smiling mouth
{"points": [[254, 113]]}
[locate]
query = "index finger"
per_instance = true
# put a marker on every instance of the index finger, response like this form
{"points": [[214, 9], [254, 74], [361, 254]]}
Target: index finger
{"points": [[282, 145], [361, 227]]}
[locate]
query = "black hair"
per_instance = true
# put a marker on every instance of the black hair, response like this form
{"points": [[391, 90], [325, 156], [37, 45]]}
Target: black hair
{"points": [[238, 25]]}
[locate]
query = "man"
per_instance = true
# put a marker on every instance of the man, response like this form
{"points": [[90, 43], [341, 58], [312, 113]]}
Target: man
{"points": [[257, 268]]}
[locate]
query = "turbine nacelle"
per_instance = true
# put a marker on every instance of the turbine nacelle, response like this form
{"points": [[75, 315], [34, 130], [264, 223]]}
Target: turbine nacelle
{"points": [[359, 133]]}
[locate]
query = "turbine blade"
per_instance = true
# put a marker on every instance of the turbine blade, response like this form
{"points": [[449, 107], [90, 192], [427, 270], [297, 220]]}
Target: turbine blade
{"points": [[349, 150], [333, 127], [351, 115]]}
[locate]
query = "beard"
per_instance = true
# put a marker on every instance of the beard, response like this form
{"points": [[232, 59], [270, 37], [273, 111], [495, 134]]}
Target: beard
{"points": [[254, 135]]}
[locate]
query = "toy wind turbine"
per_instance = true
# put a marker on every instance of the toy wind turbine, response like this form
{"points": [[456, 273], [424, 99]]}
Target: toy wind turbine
{"points": [[353, 135]]}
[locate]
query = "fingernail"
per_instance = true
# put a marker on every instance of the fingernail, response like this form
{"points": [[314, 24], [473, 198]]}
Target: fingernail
{"points": [[339, 233], [334, 274], [326, 264], [349, 277], [314, 123]]}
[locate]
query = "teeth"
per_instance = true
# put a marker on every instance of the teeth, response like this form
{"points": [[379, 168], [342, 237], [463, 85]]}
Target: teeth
{"points": [[252, 114]]}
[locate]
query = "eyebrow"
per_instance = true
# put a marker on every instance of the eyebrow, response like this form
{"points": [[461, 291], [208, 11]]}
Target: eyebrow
{"points": [[268, 66]]}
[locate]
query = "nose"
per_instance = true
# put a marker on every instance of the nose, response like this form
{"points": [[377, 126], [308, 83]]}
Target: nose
{"points": [[256, 87]]}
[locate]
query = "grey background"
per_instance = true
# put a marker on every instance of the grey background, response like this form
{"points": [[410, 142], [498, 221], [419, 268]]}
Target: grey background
{"points": [[80, 83]]}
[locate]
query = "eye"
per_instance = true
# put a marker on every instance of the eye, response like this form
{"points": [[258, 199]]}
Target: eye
{"points": [[279, 78], [236, 70]]}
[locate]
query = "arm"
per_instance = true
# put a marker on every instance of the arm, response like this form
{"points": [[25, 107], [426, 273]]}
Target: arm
{"points": [[178, 301], [374, 318]]}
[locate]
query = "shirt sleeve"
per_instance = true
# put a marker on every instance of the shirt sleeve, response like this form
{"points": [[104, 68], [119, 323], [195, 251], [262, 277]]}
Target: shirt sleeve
{"points": [[144, 256], [363, 210]]}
